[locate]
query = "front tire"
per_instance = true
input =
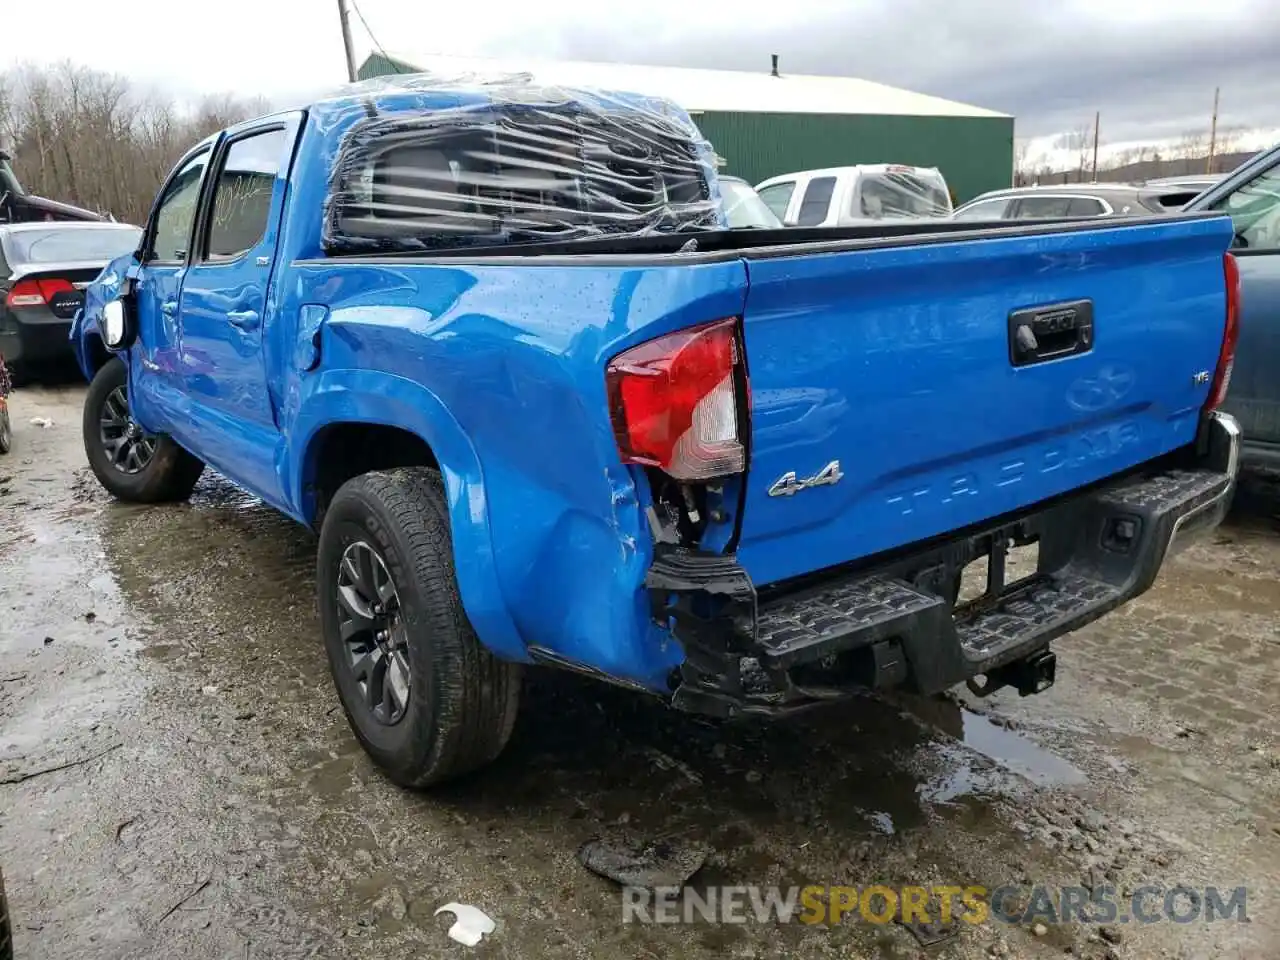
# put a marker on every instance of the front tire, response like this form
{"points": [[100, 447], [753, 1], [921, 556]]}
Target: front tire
{"points": [[131, 464], [423, 696]]}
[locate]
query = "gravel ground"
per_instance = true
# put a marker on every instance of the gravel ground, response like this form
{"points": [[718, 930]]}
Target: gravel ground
{"points": [[177, 779]]}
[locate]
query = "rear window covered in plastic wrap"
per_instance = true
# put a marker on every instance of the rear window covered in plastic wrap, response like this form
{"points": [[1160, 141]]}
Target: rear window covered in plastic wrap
{"points": [[497, 173]]}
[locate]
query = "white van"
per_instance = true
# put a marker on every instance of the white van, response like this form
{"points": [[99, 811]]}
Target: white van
{"points": [[846, 196]]}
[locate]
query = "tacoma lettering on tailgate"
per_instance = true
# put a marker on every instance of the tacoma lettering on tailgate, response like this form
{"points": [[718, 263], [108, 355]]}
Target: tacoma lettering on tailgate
{"points": [[1080, 449]]}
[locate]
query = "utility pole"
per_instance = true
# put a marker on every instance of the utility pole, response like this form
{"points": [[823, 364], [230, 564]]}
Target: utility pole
{"points": [[1097, 120], [1213, 132], [346, 41]]}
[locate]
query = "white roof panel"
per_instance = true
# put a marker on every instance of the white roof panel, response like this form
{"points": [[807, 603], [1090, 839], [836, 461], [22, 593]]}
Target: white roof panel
{"points": [[730, 91]]}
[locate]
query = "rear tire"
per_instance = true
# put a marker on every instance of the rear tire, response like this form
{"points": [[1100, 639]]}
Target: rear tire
{"points": [[157, 471], [460, 700], [6, 428]]}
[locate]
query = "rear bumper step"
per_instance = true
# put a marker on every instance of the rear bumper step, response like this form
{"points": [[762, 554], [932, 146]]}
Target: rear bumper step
{"points": [[899, 625]]}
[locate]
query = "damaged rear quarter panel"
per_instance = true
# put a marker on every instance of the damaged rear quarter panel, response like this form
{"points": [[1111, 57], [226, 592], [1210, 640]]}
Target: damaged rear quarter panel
{"points": [[516, 355]]}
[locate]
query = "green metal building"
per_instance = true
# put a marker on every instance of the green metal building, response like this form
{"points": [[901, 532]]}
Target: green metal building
{"points": [[764, 124]]}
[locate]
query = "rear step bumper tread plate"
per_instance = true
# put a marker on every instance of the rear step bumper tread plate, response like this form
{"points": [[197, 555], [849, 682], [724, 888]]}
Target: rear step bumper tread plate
{"points": [[1085, 570]]}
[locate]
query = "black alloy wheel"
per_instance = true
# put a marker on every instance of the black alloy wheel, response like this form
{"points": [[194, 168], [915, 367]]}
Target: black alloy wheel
{"points": [[373, 633], [129, 448]]}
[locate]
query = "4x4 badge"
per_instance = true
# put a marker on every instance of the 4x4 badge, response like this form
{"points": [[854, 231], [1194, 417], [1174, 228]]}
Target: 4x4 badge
{"points": [[789, 484]]}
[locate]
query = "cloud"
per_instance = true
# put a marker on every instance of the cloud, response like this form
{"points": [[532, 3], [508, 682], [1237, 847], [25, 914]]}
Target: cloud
{"points": [[1149, 66]]}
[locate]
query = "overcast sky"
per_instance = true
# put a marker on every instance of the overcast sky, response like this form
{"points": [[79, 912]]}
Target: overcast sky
{"points": [[1150, 66]]}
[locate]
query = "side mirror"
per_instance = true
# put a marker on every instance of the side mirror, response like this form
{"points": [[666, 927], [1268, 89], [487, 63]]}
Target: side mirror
{"points": [[119, 328]]}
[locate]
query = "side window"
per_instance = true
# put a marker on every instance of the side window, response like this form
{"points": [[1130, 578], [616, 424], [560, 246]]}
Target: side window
{"points": [[1035, 208], [816, 202], [177, 212], [242, 195], [778, 196], [1255, 210], [986, 210], [1085, 207]]}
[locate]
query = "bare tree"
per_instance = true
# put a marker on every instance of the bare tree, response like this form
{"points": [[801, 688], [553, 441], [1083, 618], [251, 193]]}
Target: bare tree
{"points": [[1022, 167], [1082, 144], [95, 140]]}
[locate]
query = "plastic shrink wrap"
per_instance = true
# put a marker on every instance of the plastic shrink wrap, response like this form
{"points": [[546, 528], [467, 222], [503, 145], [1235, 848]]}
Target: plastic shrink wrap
{"points": [[428, 163]]}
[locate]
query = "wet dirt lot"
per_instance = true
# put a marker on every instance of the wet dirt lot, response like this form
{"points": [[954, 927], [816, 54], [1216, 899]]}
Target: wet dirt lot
{"points": [[214, 804]]}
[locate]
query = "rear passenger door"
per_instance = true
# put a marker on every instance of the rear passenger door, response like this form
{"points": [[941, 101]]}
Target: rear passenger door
{"points": [[224, 311]]}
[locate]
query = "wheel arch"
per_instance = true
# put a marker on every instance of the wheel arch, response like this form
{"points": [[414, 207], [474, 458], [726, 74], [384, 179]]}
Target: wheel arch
{"points": [[392, 422]]}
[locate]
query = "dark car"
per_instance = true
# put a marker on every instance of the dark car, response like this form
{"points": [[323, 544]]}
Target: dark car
{"points": [[1076, 200], [44, 268], [1251, 196]]}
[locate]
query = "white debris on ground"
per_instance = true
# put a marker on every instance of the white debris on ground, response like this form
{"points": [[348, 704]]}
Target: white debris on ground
{"points": [[471, 925]]}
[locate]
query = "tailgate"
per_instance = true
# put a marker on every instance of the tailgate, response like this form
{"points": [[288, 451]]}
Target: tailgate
{"points": [[894, 400]]}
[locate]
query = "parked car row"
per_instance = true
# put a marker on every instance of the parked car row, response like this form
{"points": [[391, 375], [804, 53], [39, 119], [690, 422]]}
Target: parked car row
{"points": [[1076, 200]]}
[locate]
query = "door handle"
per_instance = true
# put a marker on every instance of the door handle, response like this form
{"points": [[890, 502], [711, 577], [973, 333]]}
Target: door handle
{"points": [[169, 307], [1037, 334], [244, 319]]}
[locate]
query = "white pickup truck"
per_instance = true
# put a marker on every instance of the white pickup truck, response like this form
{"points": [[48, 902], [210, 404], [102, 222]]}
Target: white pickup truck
{"points": [[848, 196]]}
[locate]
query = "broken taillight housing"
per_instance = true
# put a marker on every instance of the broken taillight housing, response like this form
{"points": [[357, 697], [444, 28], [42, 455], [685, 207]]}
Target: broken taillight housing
{"points": [[674, 402], [1230, 335]]}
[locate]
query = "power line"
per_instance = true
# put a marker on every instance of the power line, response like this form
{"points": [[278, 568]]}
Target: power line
{"points": [[364, 23]]}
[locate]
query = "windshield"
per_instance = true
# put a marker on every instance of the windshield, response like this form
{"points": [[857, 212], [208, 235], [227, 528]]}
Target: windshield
{"points": [[62, 245], [743, 207], [893, 195]]}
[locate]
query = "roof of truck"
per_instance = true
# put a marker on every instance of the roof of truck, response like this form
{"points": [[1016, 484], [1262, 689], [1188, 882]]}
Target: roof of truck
{"points": [[698, 90]]}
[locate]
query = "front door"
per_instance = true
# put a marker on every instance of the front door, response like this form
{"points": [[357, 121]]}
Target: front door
{"points": [[224, 305], [154, 372], [1254, 395]]}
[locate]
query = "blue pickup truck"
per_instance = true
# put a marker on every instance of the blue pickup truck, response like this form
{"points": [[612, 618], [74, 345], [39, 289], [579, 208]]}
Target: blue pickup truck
{"points": [[497, 344]]}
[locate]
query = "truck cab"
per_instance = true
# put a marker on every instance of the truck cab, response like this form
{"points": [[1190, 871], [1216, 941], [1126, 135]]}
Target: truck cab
{"points": [[846, 196]]}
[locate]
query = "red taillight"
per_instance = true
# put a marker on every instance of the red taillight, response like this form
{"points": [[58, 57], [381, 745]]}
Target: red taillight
{"points": [[35, 293], [1230, 334], [674, 402]]}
